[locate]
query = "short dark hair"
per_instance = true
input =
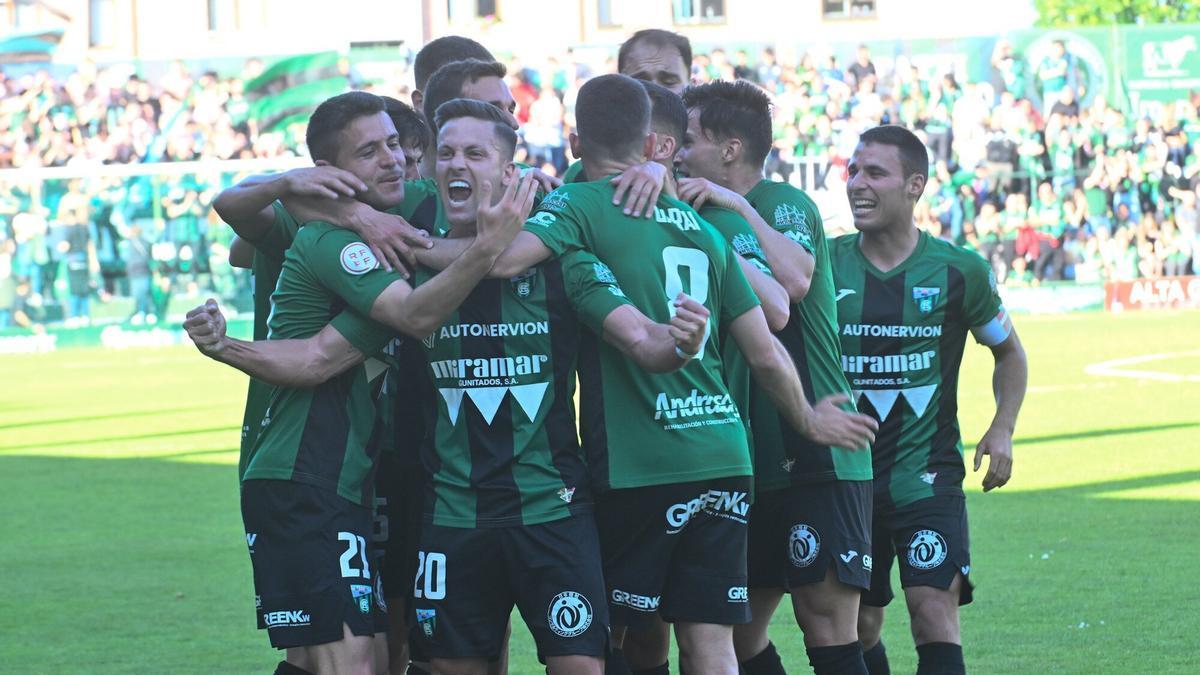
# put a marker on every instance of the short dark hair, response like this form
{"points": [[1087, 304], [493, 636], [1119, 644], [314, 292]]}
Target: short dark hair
{"points": [[459, 108], [447, 49], [411, 126], [735, 110], [914, 157], [656, 37], [333, 115], [612, 115], [448, 81], [668, 114]]}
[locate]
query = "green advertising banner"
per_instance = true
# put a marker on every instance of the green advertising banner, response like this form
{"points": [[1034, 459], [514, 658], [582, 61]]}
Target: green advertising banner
{"points": [[1160, 64]]}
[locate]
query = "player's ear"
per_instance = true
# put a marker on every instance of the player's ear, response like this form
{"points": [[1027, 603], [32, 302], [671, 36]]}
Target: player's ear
{"points": [[915, 186], [417, 100], [573, 141], [509, 174], [664, 150], [648, 146], [732, 151]]}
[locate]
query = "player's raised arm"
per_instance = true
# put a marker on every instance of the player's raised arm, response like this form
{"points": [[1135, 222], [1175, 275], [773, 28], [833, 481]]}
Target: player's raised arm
{"points": [[390, 237], [790, 263], [418, 312], [247, 206], [288, 363], [774, 371]]}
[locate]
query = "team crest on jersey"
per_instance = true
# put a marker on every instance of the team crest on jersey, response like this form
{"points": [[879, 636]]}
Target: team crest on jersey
{"points": [[926, 297], [522, 284], [555, 201], [357, 259], [746, 244], [603, 273], [362, 597]]}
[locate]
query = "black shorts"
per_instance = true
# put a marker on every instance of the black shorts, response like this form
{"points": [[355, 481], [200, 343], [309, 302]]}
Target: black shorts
{"points": [[468, 581], [797, 532], [313, 566], [931, 541], [397, 527], [678, 549]]}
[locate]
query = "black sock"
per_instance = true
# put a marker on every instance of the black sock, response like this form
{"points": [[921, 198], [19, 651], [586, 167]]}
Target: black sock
{"points": [[663, 669], [876, 660], [844, 659], [765, 662], [285, 668], [940, 658], [615, 664]]}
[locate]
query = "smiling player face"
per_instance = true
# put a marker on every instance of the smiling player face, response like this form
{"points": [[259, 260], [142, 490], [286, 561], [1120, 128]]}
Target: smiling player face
{"points": [[880, 196], [369, 148], [468, 156]]}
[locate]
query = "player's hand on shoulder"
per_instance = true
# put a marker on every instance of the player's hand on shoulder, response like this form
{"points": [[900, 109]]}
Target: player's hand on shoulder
{"points": [[322, 181], [544, 180], [496, 224], [997, 444], [701, 191], [640, 186], [205, 325], [391, 239], [836, 427], [689, 325]]}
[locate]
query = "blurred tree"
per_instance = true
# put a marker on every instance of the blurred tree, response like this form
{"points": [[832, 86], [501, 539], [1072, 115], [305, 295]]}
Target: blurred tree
{"points": [[1105, 12]]}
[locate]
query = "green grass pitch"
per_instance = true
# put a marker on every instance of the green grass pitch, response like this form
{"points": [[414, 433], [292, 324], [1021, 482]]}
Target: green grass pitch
{"points": [[122, 550]]}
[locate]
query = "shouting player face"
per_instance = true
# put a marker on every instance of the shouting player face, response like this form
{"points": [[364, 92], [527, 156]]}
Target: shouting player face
{"points": [[880, 196], [700, 156], [468, 156], [369, 148]]}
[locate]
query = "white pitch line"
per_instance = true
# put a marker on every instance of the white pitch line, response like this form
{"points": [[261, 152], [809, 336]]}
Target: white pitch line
{"points": [[1116, 368]]}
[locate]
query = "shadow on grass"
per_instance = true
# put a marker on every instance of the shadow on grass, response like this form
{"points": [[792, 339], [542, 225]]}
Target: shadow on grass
{"points": [[1096, 433], [160, 544], [106, 416], [112, 439]]}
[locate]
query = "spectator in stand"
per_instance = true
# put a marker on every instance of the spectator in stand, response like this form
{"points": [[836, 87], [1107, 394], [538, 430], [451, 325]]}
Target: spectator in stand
{"points": [[862, 67]]}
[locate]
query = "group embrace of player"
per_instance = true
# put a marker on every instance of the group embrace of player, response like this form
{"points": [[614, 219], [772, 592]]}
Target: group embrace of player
{"points": [[412, 466]]}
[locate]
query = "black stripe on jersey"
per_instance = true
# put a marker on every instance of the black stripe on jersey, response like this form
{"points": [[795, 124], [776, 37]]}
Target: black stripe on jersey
{"points": [[591, 410], [322, 449], [883, 304], [943, 453], [491, 448], [425, 215], [560, 422]]}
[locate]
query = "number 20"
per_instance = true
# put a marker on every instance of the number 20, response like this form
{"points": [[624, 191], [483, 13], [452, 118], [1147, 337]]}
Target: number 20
{"points": [[695, 261], [431, 568]]}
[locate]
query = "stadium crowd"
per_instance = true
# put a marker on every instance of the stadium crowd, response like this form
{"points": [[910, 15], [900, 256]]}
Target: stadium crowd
{"points": [[1045, 191]]}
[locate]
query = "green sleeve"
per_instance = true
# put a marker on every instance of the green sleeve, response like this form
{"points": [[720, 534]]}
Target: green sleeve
{"points": [[737, 297], [982, 309], [592, 288], [560, 222], [365, 335], [342, 263], [415, 192], [735, 230], [793, 213], [279, 236]]}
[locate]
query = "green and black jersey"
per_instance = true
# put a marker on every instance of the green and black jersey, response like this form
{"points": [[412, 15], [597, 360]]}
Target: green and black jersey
{"points": [[902, 334], [740, 236], [268, 260], [782, 455], [320, 436], [642, 428], [502, 447]]}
